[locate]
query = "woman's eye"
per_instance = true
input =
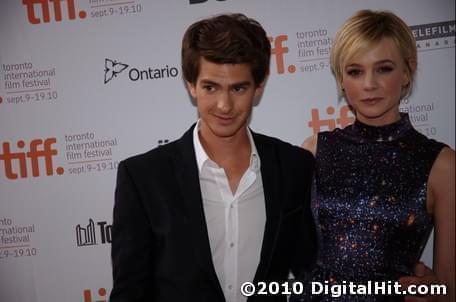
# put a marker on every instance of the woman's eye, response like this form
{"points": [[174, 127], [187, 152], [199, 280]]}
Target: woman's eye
{"points": [[353, 72], [384, 69]]}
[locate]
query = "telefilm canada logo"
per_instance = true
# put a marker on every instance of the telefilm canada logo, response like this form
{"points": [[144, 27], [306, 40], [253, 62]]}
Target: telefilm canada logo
{"points": [[434, 36], [112, 68], [86, 235]]}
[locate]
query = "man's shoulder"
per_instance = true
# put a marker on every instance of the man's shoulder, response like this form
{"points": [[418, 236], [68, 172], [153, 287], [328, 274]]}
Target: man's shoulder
{"points": [[285, 149], [157, 155], [162, 154]]}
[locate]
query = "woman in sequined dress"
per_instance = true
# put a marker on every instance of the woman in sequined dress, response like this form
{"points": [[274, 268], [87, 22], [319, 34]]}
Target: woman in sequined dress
{"points": [[380, 185]]}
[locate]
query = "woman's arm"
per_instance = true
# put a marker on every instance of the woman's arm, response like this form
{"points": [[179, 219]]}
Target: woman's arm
{"points": [[310, 144], [442, 205]]}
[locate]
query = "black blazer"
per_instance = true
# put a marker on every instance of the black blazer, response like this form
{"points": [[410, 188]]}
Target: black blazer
{"points": [[160, 244]]}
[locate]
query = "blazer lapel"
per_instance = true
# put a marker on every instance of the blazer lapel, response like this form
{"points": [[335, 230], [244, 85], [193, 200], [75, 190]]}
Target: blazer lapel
{"points": [[271, 187], [188, 180]]}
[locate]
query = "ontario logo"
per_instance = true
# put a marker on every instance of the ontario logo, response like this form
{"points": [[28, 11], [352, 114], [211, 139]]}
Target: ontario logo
{"points": [[112, 68], [34, 156], [87, 235]]}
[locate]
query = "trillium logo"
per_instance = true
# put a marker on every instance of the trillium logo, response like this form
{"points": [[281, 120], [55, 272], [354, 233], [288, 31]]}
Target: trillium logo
{"points": [[112, 69]]}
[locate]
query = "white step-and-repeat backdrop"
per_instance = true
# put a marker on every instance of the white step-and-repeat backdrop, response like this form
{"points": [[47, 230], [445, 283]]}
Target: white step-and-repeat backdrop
{"points": [[87, 83]]}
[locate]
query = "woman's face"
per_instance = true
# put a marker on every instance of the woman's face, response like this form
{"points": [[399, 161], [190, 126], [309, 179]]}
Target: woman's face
{"points": [[373, 82]]}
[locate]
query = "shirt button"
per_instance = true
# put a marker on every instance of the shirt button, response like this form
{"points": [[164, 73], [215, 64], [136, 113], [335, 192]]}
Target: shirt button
{"points": [[231, 244], [230, 287]]}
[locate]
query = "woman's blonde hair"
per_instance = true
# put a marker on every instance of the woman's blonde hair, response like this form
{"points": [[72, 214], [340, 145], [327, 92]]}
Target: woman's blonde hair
{"points": [[365, 29]]}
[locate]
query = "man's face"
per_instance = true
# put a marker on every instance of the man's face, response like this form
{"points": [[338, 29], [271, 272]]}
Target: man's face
{"points": [[224, 94]]}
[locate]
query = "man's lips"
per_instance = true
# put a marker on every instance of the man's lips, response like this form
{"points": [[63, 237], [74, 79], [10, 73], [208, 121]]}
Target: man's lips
{"points": [[224, 118]]}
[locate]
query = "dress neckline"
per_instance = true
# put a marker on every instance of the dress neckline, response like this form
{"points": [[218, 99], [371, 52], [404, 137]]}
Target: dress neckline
{"points": [[361, 132]]}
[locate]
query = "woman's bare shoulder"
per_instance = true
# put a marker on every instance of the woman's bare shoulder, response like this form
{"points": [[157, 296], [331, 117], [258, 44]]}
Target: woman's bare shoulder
{"points": [[310, 144]]}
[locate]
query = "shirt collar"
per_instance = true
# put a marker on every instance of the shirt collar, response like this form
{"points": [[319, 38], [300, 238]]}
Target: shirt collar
{"points": [[202, 158]]}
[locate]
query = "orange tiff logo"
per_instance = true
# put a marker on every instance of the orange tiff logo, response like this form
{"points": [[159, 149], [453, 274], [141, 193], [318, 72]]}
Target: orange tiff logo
{"points": [[39, 149], [345, 118], [88, 295], [278, 51], [44, 7]]}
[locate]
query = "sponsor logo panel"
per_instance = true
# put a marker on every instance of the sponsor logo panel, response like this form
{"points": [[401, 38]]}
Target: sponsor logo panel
{"points": [[16, 239], [313, 47], [27, 83], [55, 11], [84, 153], [312, 50], [87, 153]]}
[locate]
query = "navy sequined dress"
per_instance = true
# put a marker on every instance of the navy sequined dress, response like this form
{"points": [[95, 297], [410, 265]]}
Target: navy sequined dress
{"points": [[369, 205]]}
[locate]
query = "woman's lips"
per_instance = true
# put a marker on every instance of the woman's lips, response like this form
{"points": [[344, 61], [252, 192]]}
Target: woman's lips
{"points": [[371, 101]]}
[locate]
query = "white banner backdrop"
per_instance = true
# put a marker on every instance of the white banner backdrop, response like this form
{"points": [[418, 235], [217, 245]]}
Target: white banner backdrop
{"points": [[85, 84]]}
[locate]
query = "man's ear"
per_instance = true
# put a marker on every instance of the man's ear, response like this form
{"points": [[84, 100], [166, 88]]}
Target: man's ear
{"points": [[260, 88], [191, 89]]}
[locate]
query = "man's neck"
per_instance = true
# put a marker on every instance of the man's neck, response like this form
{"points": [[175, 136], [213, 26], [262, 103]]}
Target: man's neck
{"points": [[226, 149]]}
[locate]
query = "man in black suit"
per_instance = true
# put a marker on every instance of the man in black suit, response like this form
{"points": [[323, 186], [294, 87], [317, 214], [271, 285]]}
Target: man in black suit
{"points": [[222, 205]]}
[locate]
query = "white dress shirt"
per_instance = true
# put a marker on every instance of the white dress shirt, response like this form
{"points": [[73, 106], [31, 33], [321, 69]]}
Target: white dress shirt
{"points": [[235, 222]]}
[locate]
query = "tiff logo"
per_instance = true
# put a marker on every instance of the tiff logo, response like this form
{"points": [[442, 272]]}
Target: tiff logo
{"points": [[87, 295], [200, 1], [85, 236], [279, 51], [39, 149], [44, 7], [343, 120]]}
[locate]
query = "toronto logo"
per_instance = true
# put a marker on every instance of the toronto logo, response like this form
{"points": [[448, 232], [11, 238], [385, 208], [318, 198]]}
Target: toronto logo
{"points": [[112, 69], [87, 235]]}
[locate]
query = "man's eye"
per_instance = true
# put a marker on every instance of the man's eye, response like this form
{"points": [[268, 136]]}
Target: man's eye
{"points": [[239, 89], [208, 88]]}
